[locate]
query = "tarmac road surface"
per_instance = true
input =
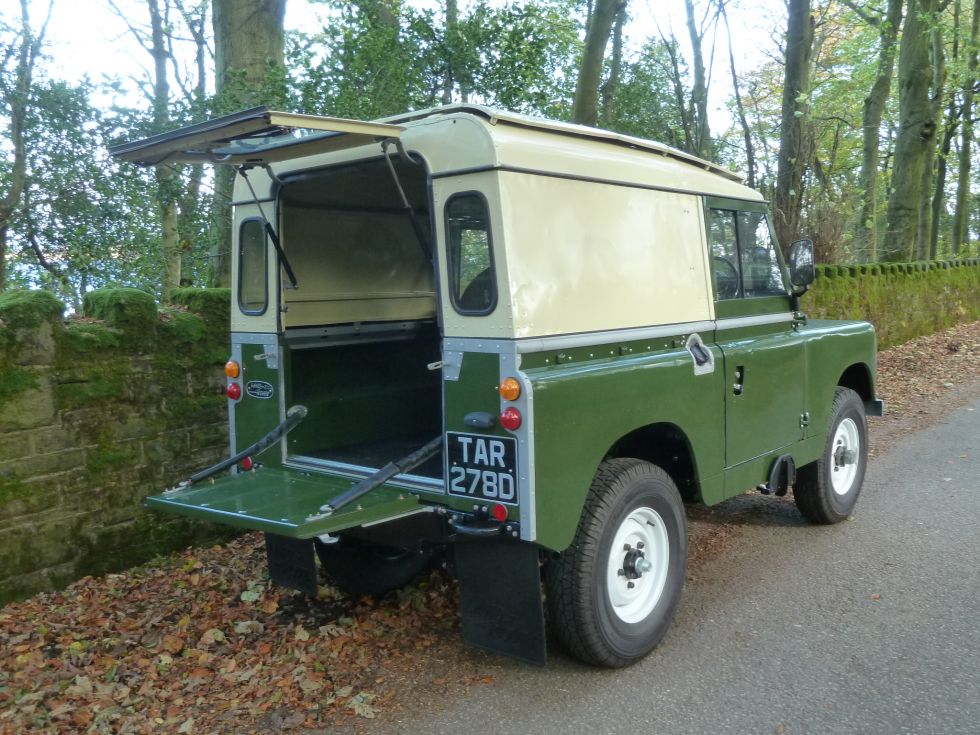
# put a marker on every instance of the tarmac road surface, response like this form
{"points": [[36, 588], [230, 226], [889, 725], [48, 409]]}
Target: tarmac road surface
{"points": [[870, 626]]}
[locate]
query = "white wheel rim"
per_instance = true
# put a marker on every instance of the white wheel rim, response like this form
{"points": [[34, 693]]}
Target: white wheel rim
{"points": [[845, 453], [641, 532]]}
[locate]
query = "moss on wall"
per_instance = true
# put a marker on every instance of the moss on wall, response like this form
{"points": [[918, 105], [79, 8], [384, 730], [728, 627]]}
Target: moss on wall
{"points": [[902, 300], [124, 388]]}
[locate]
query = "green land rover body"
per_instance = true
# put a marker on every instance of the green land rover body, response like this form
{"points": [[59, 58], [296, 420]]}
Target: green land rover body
{"points": [[522, 341]]}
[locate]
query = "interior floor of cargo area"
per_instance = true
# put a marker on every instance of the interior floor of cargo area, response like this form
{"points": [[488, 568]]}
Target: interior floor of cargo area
{"points": [[379, 453]]}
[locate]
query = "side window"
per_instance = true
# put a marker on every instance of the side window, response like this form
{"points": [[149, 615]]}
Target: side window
{"points": [[761, 271], [253, 296], [472, 283], [725, 263], [744, 259]]}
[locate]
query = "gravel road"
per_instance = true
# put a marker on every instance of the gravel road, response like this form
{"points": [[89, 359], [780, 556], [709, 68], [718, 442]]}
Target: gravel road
{"points": [[871, 626]]}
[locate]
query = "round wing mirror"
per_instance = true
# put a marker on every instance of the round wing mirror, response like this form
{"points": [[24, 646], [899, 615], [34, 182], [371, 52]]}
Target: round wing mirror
{"points": [[801, 272]]}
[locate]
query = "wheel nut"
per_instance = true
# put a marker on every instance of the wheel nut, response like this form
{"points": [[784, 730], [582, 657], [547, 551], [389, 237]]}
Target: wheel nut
{"points": [[630, 585]]}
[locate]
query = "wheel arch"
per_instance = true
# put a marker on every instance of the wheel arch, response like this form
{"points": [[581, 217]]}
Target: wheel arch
{"points": [[858, 378], [666, 445]]}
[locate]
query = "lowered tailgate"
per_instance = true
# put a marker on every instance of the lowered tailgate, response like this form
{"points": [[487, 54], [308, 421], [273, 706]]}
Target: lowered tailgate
{"points": [[284, 502]]}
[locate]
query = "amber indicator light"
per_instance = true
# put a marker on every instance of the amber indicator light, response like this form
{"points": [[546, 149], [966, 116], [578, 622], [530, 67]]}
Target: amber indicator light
{"points": [[510, 389], [232, 369]]}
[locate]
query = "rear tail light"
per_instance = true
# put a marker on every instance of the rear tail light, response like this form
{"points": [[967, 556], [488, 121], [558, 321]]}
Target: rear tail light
{"points": [[247, 463], [499, 512], [233, 391], [510, 419], [510, 389]]}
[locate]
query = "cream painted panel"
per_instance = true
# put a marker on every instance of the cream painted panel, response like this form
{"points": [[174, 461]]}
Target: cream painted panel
{"points": [[243, 322], [499, 322], [588, 257], [353, 267], [544, 151]]}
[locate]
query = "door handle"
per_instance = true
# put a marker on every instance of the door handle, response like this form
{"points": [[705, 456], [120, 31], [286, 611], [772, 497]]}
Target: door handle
{"points": [[739, 380]]}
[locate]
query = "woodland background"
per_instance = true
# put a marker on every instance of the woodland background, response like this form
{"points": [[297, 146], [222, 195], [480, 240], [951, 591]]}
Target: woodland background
{"points": [[859, 125]]}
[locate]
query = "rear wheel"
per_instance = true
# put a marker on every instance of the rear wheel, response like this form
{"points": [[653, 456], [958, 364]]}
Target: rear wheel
{"points": [[613, 593], [826, 490], [361, 568]]}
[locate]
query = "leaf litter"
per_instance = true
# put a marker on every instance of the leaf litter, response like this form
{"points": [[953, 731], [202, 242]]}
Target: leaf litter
{"points": [[200, 642]]}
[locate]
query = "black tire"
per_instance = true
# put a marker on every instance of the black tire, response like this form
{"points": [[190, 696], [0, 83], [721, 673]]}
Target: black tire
{"points": [[359, 568], [815, 492], [580, 605]]}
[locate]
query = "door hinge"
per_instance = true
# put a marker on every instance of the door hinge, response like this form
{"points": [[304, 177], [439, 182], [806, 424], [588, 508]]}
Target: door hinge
{"points": [[804, 419]]}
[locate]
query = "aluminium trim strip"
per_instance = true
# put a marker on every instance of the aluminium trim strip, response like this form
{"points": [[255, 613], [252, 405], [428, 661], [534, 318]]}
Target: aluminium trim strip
{"points": [[527, 345], [753, 321]]}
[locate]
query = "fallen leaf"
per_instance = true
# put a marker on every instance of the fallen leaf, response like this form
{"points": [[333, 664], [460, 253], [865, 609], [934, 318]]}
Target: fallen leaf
{"points": [[173, 644]]}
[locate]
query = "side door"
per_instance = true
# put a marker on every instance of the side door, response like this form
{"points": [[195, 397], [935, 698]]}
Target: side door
{"points": [[763, 354]]}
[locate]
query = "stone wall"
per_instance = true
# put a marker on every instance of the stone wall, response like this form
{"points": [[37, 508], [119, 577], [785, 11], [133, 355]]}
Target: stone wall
{"points": [[902, 300], [97, 412]]}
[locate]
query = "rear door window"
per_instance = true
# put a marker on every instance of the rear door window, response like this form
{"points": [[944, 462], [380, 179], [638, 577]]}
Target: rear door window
{"points": [[253, 281], [473, 284]]}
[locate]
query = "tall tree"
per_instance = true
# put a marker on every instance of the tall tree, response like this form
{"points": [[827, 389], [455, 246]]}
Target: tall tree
{"points": [[585, 107], [611, 85], [249, 70], [701, 144], [16, 90], [888, 24], [968, 115], [916, 132], [792, 143], [937, 55], [740, 106]]}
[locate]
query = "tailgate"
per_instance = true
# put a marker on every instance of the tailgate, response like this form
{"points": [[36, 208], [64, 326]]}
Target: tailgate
{"points": [[284, 502]]}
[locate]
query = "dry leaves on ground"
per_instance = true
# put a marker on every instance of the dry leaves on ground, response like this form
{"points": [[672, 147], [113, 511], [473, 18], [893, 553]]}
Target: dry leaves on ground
{"points": [[199, 642]]}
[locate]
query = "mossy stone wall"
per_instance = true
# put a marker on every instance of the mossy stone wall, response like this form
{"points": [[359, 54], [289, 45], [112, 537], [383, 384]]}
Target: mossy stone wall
{"points": [[97, 412], [902, 300]]}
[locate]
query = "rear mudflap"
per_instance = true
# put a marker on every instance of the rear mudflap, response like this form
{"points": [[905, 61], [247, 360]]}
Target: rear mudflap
{"points": [[500, 597], [291, 562]]}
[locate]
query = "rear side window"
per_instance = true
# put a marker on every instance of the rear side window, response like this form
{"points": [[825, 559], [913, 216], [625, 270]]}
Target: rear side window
{"points": [[473, 284], [744, 259], [253, 294]]}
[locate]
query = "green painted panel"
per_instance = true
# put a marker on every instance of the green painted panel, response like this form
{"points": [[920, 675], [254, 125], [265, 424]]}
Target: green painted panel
{"points": [[755, 306], [256, 417], [764, 390], [282, 501], [582, 410]]}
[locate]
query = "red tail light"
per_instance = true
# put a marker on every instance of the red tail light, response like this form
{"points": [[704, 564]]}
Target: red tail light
{"points": [[510, 419], [233, 391]]}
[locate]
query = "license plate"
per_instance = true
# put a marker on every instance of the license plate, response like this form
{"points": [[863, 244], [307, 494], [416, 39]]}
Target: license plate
{"points": [[482, 467]]}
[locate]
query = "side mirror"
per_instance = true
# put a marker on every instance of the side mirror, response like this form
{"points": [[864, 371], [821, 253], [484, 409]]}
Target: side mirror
{"points": [[801, 272]]}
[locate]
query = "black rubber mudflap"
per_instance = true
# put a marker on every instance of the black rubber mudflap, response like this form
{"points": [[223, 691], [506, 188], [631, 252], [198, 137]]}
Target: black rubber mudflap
{"points": [[291, 562], [500, 598]]}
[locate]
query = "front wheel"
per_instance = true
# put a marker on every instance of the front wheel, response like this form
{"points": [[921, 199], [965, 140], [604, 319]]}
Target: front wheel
{"points": [[826, 490], [613, 593]]}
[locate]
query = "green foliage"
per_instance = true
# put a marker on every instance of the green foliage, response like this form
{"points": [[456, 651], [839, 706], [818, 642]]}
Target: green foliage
{"points": [[21, 309], [127, 309]]}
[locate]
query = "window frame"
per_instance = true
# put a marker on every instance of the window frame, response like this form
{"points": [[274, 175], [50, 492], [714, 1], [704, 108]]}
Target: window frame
{"points": [[738, 206], [265, 267], [451, 264]]}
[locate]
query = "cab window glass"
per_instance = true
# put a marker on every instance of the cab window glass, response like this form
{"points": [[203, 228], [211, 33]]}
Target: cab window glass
{"points": [[744, 259], [473, 285], [761, 271], [253, 294], [723, 240]]}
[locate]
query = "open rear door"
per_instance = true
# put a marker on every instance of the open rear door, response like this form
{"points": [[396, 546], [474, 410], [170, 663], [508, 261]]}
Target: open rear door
{"points": [[254, 137]]}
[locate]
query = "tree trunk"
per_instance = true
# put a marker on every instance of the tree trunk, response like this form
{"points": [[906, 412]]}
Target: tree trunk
{"points": [[874, 107], [916, 133], [792, 145], [942, 160], [699, 92], [18, 101], [739, 106], [248, 60], [924, 229], [451, 40], [585, 105], [960, 213], [616, 69]]}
